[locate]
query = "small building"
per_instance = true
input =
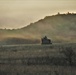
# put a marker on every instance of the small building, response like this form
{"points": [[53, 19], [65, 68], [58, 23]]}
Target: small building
{"points": [[45, 40]]}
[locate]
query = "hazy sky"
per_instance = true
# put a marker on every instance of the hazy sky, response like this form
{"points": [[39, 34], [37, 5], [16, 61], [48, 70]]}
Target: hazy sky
{"points": [[19, 13]]}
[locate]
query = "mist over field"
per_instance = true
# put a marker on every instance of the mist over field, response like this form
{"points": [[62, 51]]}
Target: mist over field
{"points": [[59, 28], [37, 37]]}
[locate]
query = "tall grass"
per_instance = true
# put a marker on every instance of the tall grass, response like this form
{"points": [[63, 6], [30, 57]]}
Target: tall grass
{"points": [[35, 60]]}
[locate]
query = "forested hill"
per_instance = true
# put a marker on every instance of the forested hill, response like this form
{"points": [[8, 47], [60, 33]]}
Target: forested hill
{"points": [[60, 28]]}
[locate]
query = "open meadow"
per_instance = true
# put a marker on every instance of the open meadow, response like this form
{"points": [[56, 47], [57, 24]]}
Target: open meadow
{"points": [[35, 59]]}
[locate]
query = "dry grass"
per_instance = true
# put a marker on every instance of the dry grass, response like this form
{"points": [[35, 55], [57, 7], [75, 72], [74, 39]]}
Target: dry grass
{"points": [[38, 70], [33, 51]]}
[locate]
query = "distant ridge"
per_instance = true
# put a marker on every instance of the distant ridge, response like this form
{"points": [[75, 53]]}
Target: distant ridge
{"points": [[60, 28]]}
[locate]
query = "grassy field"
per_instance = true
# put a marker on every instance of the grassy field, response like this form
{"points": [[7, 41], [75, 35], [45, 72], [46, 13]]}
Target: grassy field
{"points": [[35, 60], [36, 70]]}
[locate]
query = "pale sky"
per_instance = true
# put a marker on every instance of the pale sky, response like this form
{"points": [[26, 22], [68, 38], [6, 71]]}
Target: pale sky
{"points": [[20, 13]]}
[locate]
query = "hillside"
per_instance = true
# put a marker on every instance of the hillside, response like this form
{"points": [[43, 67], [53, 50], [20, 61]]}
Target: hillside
{"points": [[60, 28]]}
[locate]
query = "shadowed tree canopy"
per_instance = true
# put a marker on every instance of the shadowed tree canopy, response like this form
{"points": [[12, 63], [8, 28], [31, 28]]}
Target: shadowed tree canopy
{"points": [[45, 40]]}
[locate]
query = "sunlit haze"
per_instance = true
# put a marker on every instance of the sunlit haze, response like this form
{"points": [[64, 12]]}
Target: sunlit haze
{"points": [[20, 13]]}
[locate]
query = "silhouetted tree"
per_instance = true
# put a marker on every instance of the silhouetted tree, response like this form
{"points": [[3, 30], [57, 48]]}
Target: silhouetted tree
{"points": [[45, 40], [68, 13], [58, 13]]}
